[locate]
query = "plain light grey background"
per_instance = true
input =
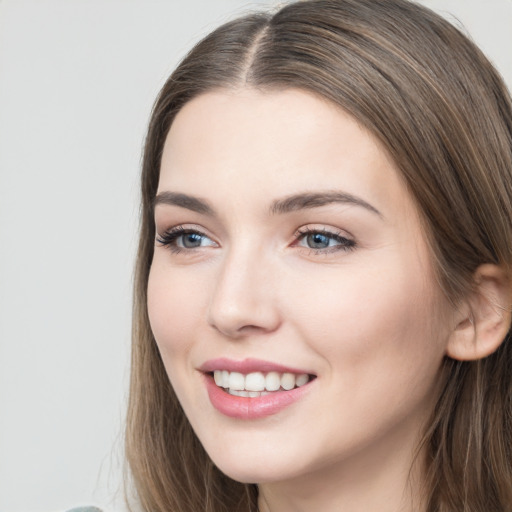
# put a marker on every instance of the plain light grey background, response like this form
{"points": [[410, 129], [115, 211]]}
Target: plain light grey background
{"points": [[77, 81]]}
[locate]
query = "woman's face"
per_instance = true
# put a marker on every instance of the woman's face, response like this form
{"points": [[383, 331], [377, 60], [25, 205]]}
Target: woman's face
{"points": [[289, 254]]}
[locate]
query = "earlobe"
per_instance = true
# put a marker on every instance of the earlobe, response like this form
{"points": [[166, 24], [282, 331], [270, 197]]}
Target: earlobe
{"points": [[484, 318]]}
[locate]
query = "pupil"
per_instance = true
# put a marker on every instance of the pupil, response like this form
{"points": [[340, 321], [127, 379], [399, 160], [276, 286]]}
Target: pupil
{"points": [[318, 241], [191, 240]]}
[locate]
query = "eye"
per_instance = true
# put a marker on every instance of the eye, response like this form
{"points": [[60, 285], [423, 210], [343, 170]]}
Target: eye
{"points": [[180, 238], [323, 240]]}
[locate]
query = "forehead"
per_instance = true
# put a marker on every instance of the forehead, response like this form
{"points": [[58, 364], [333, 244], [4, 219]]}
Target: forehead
{"points": [[278, 142]]}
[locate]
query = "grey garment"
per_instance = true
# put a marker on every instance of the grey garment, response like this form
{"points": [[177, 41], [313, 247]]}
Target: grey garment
{"points": [[85, 509]]}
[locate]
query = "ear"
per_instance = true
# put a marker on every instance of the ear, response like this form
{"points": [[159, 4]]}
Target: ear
{"points": [[483, 319]]}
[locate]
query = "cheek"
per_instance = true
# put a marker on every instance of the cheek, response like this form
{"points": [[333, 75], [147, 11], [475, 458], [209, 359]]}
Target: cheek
{"points": [[174, 303], [380, 325], [382, 354]]}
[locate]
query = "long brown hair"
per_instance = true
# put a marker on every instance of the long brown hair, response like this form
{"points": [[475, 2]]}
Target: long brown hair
{"points": [[443, 113]]}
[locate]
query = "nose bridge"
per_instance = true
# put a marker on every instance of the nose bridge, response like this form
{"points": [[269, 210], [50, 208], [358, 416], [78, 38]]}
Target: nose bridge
{"points": [[244, 298]]}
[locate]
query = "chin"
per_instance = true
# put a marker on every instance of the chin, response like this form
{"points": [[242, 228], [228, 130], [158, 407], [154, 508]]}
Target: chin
{"points": [[251, 468], [251, 474]]}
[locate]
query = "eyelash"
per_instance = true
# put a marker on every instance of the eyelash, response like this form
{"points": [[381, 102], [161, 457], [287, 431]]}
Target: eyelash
{"points": [[345, 244], [169, 239]]}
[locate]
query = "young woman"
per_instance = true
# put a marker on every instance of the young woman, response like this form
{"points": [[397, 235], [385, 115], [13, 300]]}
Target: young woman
{"points": [[323, 288]]}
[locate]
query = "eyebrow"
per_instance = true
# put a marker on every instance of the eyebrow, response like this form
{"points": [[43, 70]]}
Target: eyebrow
{"points": [[288, 204], [316, 199], [184, 201]]}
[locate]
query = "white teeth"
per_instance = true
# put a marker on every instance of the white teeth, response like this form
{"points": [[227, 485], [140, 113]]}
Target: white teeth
{"points": [[288, 381], [272, 381], [302, 379], [256, 383], [236, 381], [247, 394], [237, 392]]}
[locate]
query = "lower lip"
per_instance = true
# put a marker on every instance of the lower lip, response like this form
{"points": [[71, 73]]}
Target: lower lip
{"points": [[245, 408]]}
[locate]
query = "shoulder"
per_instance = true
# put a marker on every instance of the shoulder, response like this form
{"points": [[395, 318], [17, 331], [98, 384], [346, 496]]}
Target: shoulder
{"points": [[85, 509]]}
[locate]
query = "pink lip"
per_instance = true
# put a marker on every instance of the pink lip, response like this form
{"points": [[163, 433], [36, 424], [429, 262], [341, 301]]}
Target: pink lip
{"points": [[247, 366], [250, 408]]}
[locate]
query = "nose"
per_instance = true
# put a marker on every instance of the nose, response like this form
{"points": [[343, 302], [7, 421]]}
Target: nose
{"points": [[244, 301]]}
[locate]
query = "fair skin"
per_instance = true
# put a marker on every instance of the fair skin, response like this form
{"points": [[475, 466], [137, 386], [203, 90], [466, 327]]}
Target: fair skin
{"points": [[341, 288]]}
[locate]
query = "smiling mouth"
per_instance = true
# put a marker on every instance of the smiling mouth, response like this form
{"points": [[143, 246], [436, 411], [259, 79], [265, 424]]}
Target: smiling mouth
{"points": [[256, 384]]}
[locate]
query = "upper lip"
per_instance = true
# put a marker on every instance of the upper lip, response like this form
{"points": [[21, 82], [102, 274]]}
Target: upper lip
{"points": [[247, 366]]}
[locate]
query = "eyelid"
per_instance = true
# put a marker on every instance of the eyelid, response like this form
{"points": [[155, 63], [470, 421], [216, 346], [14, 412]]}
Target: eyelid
{"points": [[322, 228], [183, 227]]}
